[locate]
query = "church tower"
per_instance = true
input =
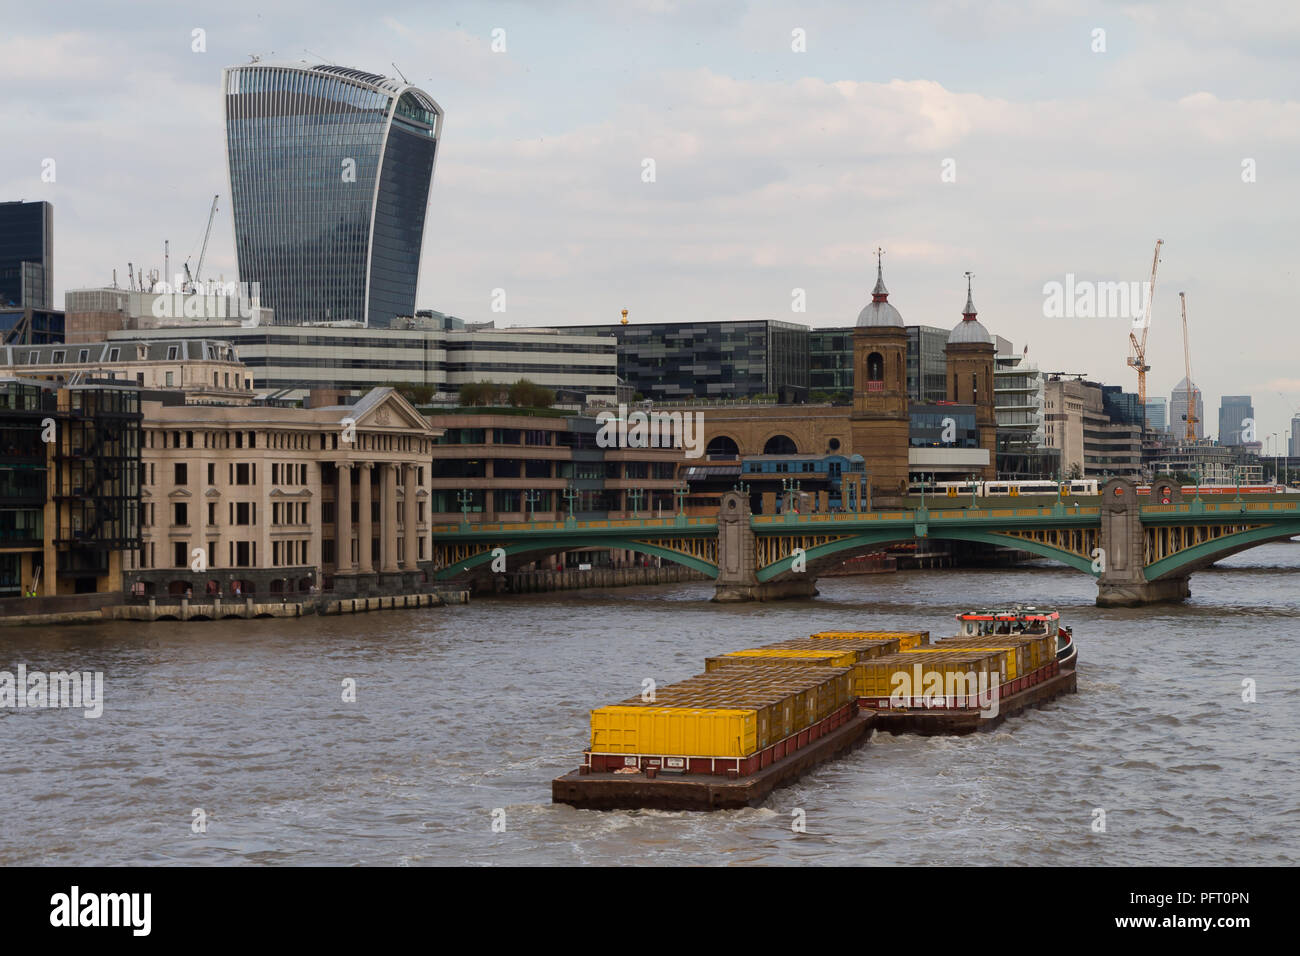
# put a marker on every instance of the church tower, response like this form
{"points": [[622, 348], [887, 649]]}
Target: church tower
{"points": [[880, 420], [970, 353]]}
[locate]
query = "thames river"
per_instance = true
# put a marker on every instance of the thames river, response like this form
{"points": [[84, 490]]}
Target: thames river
{"points": [[464, 711]]}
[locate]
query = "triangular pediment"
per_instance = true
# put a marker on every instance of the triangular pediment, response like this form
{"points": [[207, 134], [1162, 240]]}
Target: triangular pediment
{"points": [[180, 493], [385, 408]]}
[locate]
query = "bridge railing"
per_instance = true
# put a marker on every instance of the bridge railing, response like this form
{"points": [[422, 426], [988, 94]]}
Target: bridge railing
{"points": [[676, 522]]}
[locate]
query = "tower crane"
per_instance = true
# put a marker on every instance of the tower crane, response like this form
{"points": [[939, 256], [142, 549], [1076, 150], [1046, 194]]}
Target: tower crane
{"points": [[1192, 390], [1137, 349], [191, 280]]}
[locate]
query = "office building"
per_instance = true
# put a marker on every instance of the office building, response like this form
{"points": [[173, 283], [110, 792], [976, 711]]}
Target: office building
{"points": [[293, 360], [1234, 411], [26, 255], [1091, 445], [1186, 403], [279, 501], [1121, 407], [1158, 415], [830, 362], [677, 361], [330, 170], [69, 486], [91, 314]]}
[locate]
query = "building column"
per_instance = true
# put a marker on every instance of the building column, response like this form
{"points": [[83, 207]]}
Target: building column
{"points": [[388, 518], [411, 534], [343, 522], [366, 564]]}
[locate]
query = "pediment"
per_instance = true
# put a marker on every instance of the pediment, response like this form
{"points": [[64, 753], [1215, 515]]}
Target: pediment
{"points": [[180, 493]]}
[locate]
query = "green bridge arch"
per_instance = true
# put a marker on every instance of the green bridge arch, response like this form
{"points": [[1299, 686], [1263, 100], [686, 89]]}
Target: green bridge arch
{"points": [[552, 545], [897, 536], [1208, 552]]}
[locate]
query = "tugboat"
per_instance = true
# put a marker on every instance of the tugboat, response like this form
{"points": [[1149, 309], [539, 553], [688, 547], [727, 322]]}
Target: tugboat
{"points": [[1022, 619]]}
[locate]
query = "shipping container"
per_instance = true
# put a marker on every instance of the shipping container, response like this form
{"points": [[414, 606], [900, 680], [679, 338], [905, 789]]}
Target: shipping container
{"points": [[905, 639]]}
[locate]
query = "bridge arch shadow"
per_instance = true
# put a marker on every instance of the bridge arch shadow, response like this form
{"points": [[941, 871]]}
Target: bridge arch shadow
{"points": [[524, 553]]}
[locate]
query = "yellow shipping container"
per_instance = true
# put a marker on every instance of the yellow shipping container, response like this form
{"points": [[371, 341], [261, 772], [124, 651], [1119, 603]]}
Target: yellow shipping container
{"points": [[780, 655], [864, 647], [905, 638], [1007, 655], [685, 733]]}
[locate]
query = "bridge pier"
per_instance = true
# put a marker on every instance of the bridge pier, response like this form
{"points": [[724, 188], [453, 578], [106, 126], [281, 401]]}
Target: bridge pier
{"points": [[738, 562], [1122, 581]]}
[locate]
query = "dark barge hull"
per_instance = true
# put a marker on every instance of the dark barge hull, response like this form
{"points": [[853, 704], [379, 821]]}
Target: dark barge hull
{"points": [[957, 722], [616, 791]]}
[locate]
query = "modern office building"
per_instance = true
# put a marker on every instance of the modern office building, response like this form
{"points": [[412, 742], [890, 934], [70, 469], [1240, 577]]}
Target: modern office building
{"points": [[1186, 397], [1293, 442], [927, 363], [330, 170], [1234, 410], [1091, 444], [830, 362], [1157, 414], [676, 361], [1018, 405], [27, 254], [293, 360], [1121, 407], [69, 486]]}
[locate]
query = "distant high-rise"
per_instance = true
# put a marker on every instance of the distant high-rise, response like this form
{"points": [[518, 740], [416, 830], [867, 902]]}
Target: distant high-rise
{"points": [[1185, 396], [1158, 414], [1233, 412], [1294, 450], [330, 170], [27, 254]]}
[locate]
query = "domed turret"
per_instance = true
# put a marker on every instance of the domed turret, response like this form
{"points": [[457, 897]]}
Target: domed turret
{"points": [[968, 330], [878, 311]]}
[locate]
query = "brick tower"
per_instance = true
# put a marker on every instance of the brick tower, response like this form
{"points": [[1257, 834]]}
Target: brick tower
{"points": [[970, 353], [880, 417]]}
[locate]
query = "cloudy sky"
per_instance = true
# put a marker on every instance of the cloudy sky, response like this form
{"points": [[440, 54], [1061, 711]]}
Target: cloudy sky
{"points": [[1010, 139]]}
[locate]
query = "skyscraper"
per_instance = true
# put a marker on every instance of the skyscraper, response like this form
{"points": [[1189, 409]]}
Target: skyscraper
{"points": [[1233, 412], [1186, 396], [1158, 414], [27, 254], [330, 171]]}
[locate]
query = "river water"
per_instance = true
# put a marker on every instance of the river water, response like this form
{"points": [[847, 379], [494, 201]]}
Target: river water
{"points": [[462, 711]]}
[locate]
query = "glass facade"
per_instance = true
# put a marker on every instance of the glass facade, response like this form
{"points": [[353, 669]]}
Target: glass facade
{"points": [[27, 254], [675, 361], [927, 365], [330, 171], [830, 362]]}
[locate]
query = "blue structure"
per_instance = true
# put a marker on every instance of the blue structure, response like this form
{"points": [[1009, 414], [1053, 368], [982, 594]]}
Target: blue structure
{"points": [[330, 171]]}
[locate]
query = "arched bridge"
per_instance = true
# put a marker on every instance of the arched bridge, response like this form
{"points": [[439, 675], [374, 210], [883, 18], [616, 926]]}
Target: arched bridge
{"points": [[1139, 552]]}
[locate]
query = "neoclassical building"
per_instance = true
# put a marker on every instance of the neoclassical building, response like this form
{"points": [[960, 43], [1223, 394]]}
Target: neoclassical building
{"points": [[263, 500]]}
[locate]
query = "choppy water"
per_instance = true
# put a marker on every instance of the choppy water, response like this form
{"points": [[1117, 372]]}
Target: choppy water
{"points": [[465, 710]]}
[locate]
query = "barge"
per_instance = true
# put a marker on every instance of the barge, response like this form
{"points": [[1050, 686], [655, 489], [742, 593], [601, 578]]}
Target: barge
{"points": [[761, 718]]}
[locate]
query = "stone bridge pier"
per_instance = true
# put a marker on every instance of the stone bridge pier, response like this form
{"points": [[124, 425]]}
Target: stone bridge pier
{"points": [[738, 560], [1122, 582]]}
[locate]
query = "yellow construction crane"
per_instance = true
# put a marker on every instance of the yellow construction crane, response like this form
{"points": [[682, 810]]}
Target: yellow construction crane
{"points": [[1137, 350], [1192, 390]]}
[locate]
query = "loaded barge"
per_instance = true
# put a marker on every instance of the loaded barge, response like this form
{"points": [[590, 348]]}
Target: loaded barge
{"points": [[761, 718]]}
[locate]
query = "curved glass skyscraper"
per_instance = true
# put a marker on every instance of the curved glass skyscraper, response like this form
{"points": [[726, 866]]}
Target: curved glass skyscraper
{"points": [[330, 171]]}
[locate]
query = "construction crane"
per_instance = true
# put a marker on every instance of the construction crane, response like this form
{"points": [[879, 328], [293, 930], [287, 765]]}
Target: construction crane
{"points": [[1192, 390], [192, 280], [1137, 350]]}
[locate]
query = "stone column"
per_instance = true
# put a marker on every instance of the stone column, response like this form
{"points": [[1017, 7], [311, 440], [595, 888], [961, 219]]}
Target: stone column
{"points": [[388, 518], [365, 563], [343, 563], [1122, 581], [411, 533], [738, 560]]}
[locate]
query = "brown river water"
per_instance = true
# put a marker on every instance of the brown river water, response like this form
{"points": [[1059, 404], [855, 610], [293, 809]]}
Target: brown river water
{"points": [[462, 711]]}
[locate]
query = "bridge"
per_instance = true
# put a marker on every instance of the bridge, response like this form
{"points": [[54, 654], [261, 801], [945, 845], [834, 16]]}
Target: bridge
{"points": [[1139, 552]]}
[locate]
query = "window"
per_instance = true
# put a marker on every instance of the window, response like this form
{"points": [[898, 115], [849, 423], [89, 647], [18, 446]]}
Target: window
{"points": [[83, 355], [180, 473], [58, 357], [212, 512], [244, 512], [179, 554], [112, 355], [242, 472], [212, 473], [180, 513], [171, 355]]}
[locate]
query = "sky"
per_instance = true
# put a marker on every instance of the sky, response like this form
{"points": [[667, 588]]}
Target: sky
{"points": [[1023, 142]]}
